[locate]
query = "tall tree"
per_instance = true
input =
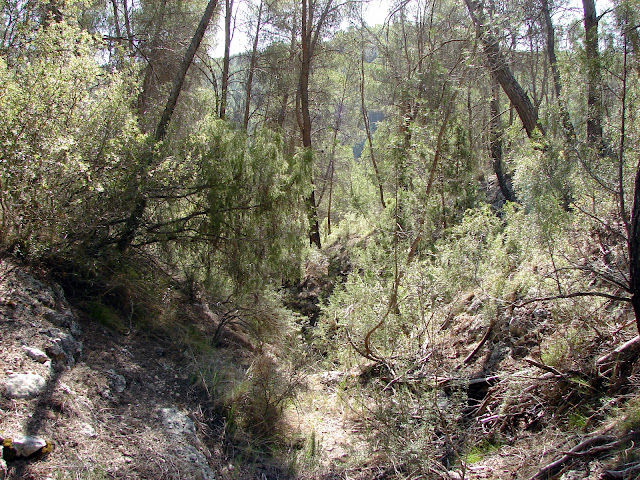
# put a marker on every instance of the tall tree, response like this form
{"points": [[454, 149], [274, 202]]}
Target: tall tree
{"points": [[134, 220], [594, 75], [309, 36], [252, 67], [226, 61], [502, 72]]}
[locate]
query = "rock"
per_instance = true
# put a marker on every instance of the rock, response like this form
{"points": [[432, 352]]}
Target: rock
{"points": [[117, 382], [181, 433], [63, 348], [25, 445], [64, 319], [176, 422], [87, 430], [24, 385], [35, 354]]}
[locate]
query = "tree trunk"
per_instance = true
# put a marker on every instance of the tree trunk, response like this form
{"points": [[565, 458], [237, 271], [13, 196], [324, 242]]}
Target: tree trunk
{"points": [[594, 75], [127, 24], [119, 39], [502, 73], [252, 67], [134, 220], [309, 38], [227, 58], [178, 82], [634, 250], [365, 119], [147, 83], [567, 125], [495, 141]]}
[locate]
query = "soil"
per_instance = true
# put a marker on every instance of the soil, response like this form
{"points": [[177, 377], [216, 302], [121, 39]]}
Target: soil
{"points": [[102, 411]]}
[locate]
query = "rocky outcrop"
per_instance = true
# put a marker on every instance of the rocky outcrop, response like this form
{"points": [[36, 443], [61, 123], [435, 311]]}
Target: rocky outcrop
{"points": [[182, 437]]}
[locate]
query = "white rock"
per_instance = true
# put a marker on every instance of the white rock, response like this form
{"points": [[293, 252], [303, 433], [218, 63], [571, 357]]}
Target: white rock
{"points": [[35, 354], [24, 385], [23, 446], [87, 430]]}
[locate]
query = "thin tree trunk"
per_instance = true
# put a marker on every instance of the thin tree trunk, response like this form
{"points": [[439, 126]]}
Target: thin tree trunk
{"points": [[143, 98], [503, 75], [134, 220], [178, 82], [252, 67], [594, 75], [308, 42], [119, 39], [127, 24], [227, 57], [634, 251], [365, 119], [567, 125], [495, 143]]}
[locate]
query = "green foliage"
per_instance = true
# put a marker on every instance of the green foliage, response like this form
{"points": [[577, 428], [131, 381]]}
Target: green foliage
{"points": [[231, 206], [68, 140]]}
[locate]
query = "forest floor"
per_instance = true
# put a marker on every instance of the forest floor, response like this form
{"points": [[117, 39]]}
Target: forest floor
{"points": [[126, 401]]}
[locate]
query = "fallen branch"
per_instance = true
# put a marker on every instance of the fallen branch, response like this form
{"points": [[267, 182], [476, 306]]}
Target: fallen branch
{"points": [[625, 473], [479, 346], [542, 366], [627, 347], [574, 295], [610, 442]]}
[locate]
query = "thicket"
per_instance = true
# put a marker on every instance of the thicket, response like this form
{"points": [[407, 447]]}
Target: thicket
{"points": [[462, 221]]}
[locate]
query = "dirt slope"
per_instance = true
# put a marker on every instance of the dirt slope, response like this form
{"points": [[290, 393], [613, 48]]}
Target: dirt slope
{"points": [[113, 405]]}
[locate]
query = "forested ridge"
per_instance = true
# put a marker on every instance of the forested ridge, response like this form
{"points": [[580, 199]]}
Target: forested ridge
{"points": [[405, 250]]}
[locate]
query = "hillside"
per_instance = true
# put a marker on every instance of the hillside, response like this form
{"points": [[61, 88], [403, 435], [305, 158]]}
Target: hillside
{"points": [[121, 401]]}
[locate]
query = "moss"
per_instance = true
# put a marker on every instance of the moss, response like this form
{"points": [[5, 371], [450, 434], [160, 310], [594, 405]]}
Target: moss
{"points": [[106, 317]]}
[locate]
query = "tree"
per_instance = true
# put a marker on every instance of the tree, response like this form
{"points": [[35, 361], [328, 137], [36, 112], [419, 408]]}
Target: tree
{"points": [[252, 67], [309, 36], [594, 76], [140, 203], [228, 33], [502, 73]]}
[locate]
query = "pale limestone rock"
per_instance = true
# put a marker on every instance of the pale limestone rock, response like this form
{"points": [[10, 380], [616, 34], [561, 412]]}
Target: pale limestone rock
{"points": [[26, 445], [24, 385], [35, 354]]}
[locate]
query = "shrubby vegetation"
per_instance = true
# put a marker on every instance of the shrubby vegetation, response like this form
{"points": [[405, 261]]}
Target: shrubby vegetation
{"points": [[479, 220]]}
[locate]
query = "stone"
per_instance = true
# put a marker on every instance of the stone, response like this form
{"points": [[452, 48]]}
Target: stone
{"points": [[117, 382], [181, 433], [36, 354], [176, 422], [64, 348], [24, 385], [26, 445], [87, 430], [64, 319]]}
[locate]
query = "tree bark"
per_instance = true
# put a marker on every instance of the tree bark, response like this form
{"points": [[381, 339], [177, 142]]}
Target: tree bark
{"points": [[502, 73], [252, 67], [227, 57]]}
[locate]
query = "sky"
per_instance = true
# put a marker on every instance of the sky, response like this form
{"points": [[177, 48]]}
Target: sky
{"points": [[375, 13]]}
